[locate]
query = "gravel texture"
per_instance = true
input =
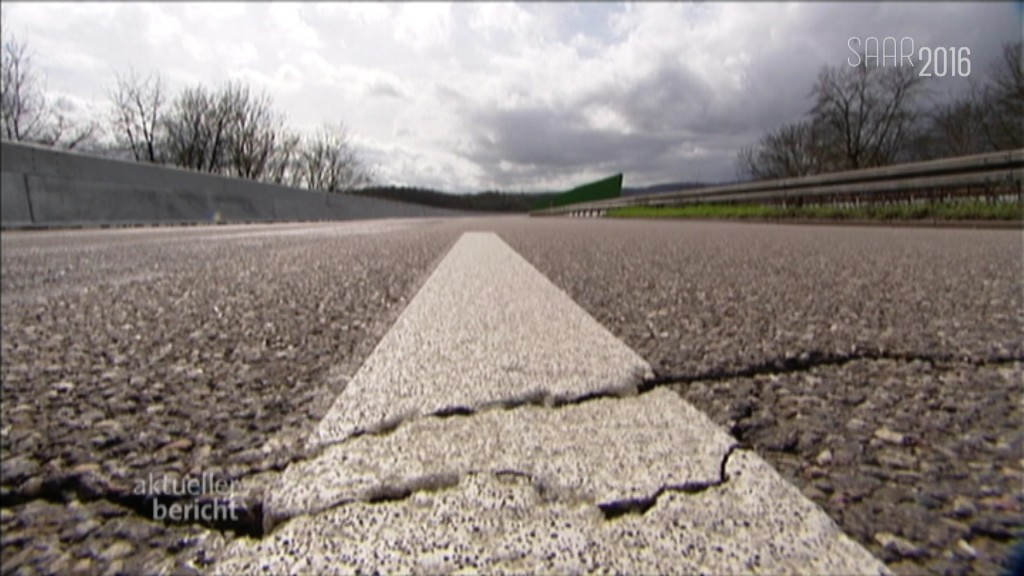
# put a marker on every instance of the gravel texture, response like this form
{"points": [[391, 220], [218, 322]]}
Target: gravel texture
{"points": [[132, 356], [879, 369], [919, 462]]}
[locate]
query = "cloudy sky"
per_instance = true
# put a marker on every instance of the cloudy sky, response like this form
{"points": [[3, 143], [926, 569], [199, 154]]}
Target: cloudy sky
{"points": [[466, 97]]}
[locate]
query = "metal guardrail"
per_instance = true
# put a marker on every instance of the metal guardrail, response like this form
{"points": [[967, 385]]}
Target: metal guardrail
{"points": [[980, 175]]}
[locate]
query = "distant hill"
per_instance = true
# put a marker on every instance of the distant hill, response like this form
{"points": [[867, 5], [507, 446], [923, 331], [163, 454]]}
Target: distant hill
{"points": [[490, 201], [494, 201]]}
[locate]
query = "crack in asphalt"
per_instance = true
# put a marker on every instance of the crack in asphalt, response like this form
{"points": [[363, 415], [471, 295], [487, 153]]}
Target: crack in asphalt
{"points": [[403, 490], [255, 523], [92, 487], [386, 493], [814, 359], [537, 397], [775, 366], [783, 365], [615, 509]]}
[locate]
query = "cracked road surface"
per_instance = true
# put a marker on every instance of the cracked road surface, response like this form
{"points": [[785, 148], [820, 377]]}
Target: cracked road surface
{"points": [[471, 339], [501, 523], [585, 464], [602, 451], [878, 370]]}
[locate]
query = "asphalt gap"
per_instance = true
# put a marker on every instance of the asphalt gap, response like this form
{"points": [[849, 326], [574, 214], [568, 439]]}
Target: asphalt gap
{"points": [[463, 443]]}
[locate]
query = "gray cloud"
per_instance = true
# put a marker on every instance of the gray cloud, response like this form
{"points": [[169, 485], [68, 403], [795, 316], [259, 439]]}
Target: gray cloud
{"points": [[383, 89], [678, 129], [530, 96], [681, 127], [539, 145]]}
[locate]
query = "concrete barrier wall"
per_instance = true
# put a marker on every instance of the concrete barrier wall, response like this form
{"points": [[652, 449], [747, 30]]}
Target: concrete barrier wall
{"points": [[14, 199], [42, 187]]}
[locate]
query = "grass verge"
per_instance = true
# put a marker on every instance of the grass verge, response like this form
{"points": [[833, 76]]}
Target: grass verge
{"points": [[932, 211]]}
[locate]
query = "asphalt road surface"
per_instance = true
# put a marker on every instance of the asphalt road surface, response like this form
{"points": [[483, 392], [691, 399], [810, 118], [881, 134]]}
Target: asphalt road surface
{"points": [[878, 369]]}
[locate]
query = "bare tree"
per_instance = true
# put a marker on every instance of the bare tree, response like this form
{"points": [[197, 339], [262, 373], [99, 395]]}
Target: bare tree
{"points": [[1000, 101], [252, 132], [22, 102], [25, 113], [138, 115], [282, 166], [953, 130], [328, 162], [863, 116], [987, 119], [793, 150], [869, 116], [230, 131], [196, 131], [868, 112]]}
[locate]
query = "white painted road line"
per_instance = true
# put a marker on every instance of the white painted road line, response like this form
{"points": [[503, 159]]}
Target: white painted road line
{"points": [[642, 484], [500, 524], [485, 329], [601, 451]]}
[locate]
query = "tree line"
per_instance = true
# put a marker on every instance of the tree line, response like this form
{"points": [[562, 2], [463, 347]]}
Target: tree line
{"points": [[489, 201], [230, 130], [866, 116], [25, 113]]}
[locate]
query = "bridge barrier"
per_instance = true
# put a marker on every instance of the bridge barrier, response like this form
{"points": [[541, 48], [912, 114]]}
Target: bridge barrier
{"points": [[44, 187]]}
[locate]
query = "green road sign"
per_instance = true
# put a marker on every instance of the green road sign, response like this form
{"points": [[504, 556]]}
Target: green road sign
{"points": [[600, 190]]}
